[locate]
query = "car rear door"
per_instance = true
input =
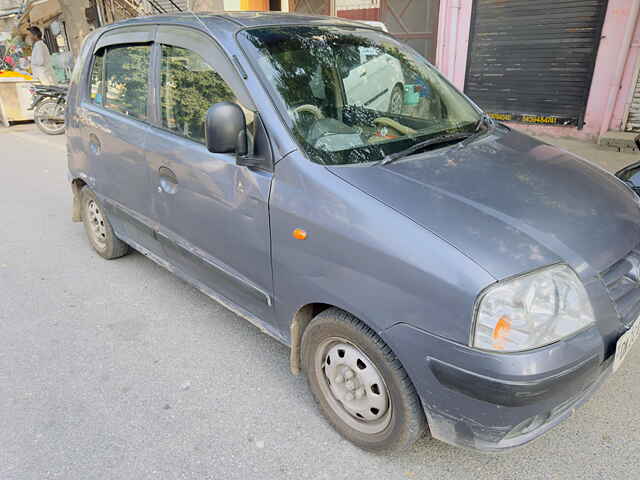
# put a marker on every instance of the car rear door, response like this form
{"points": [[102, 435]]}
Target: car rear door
{"points": [[114, 118], [213, 214]]}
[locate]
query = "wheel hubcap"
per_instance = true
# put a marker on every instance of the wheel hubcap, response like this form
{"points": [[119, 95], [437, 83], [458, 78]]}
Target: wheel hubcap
{"points": [[353, 386], [96, 222]]}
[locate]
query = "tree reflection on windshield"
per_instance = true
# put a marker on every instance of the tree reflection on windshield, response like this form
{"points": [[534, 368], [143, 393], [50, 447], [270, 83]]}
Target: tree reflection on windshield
{"points": [[355, 95]]}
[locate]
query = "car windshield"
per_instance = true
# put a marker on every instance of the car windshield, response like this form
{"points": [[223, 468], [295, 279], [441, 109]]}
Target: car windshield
{"points": [[353, 95]]}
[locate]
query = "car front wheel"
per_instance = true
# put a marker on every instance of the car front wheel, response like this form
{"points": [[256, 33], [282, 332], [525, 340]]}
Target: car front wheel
{"points": [[396, 101], [359, 384]]}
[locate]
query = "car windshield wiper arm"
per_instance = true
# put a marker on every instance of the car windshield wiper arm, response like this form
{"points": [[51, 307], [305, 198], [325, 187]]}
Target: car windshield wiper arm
{"points": [[451, 137], [484, 120]]}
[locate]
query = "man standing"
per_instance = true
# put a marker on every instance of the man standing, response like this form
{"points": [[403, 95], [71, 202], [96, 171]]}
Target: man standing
{"points": [[40, 58]]}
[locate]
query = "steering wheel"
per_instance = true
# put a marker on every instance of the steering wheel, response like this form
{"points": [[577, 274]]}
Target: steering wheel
{"points": [[309, 109]]}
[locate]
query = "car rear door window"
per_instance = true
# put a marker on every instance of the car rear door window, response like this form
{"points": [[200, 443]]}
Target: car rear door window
{"points": [[188, 87], [126, 79]]}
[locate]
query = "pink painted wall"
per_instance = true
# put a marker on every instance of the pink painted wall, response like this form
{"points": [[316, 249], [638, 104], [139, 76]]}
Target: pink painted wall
{"points": [[605, 81], [628, 82], [453, 43], [454, 23]]}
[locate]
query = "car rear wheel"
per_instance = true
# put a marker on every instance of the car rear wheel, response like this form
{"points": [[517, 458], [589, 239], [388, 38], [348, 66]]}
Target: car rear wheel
{"points": [[359, 384], [98, 228]]}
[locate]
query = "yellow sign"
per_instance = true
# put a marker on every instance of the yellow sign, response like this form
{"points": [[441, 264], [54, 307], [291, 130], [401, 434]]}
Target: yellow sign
{"points": [[504, 117], [538, 119]]}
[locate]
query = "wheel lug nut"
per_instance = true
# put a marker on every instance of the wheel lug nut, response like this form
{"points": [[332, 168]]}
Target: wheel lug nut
{"points": [[360, 393], [349, 397], [339, 379], [348, 374], [350, 385]]}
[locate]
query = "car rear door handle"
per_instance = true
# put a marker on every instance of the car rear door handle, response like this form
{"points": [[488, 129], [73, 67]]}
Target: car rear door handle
{"points": [[168, 180]]}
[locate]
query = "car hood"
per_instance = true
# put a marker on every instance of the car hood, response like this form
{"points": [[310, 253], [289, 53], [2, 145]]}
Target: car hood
{"points": [[510, 202]]}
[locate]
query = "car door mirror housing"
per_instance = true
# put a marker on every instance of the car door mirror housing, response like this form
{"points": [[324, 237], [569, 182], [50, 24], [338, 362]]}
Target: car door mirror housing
{"points": [[226, 129], [631, 176]]}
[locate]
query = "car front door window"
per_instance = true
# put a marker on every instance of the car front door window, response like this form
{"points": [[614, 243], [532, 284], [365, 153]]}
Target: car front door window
{"points": [[188, 87]]}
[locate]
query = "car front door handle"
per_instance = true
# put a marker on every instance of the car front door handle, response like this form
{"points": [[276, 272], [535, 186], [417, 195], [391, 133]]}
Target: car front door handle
{"points": [[168, 180]]}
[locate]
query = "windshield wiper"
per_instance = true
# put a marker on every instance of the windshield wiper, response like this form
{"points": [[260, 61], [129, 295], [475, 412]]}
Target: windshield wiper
{"points": [[447, 138]]}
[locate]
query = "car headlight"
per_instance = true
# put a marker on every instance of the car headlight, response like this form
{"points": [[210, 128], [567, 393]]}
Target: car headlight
{"points": [[531, 311]]}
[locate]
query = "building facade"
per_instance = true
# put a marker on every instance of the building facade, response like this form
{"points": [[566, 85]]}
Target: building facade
{"points": [[565, 68], [413, 21], [9, 15]]}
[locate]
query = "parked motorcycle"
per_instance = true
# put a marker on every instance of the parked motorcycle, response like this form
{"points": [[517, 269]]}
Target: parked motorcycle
{"points": [[49, 104]]}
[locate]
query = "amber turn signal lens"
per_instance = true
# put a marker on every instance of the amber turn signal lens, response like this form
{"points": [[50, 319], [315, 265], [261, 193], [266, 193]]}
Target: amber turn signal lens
{"points": [[299, 234], [500, 332]]}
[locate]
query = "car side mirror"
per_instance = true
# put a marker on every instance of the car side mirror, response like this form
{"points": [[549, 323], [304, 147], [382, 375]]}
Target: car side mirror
{"points": [[631, 176], [226, 129]]}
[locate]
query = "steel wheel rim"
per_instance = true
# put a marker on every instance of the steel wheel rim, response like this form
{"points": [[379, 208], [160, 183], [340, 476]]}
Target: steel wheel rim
{"points": [[396, 101], [96, 223], [353, 386]]}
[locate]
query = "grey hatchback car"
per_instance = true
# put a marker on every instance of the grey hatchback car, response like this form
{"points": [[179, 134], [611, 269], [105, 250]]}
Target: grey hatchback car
{"points": [[429, 268]]}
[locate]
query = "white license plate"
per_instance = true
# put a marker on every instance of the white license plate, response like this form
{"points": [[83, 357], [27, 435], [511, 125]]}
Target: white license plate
{"points": [[624, 344]]}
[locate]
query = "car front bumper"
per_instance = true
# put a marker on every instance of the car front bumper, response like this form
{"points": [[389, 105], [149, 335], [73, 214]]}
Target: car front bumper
{"points": [[491, 401]]}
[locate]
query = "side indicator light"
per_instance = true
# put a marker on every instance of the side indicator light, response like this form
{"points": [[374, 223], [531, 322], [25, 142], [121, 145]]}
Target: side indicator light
{"points": [[299, 234]]}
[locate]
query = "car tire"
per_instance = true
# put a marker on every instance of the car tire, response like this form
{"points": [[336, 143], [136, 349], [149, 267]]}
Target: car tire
{"points": [[98, 229], [351, 389], [396, 100]]}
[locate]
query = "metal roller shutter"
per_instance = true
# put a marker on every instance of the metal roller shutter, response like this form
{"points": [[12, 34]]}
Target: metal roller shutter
{"points": [[533, 61], [415, 22], [314, 7], [633, 120]]}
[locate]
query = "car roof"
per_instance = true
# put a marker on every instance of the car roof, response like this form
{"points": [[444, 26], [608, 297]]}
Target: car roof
{"points": [[231, 22]]}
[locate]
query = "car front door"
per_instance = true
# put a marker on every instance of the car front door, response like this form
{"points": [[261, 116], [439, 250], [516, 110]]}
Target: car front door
{"points": [[354, 75], [381, 72], [114, 119], [213, 214], [372, 75], [374, 88]]}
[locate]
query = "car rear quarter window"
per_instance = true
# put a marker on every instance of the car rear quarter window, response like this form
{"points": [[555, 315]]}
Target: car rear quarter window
{"points": [[126, 80], [95, 83], [188, 87]]}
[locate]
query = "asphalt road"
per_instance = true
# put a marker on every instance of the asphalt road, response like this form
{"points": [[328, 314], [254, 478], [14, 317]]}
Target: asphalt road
{"points": [[118, 370]]}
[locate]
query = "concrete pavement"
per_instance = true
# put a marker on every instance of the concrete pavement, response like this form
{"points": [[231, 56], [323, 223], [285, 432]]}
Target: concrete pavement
{"points": [[119, 370]]}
